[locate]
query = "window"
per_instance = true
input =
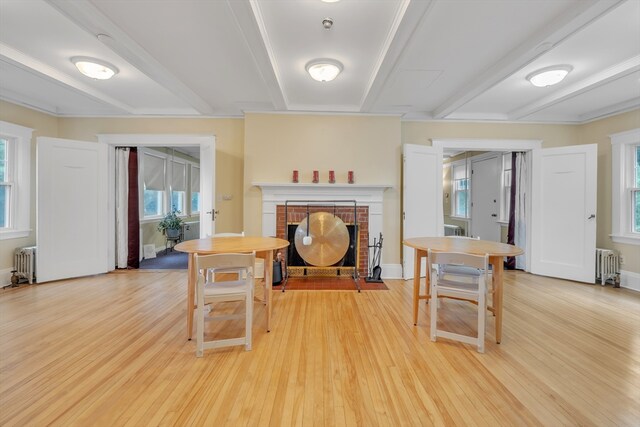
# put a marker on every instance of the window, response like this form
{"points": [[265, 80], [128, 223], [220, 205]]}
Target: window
{"points": [[195, 189], [154, 171], [164, 185], [505, 199], [460, 190], [6, 185], [635, 188], [178, 185], [625, 198], [15, 185]]}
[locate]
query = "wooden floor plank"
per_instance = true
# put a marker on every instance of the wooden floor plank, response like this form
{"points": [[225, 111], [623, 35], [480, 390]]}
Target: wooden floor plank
{"points": [[110, 350]]}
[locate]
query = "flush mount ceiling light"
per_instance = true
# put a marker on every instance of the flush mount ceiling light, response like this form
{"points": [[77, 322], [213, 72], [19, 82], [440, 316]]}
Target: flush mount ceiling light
{"points": [[94, 68], [549, 76], [324, 70]]}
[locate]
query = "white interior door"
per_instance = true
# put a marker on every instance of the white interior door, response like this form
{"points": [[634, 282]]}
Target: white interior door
{"points": [[563, 237], [71, 179], [207, 188], [422, 184], [485, 198]]}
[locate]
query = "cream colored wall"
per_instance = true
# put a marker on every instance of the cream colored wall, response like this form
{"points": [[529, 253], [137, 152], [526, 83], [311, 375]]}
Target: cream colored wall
{"points": [[598, 132], [43, 125], [276, 144], [552, 136], [229, 151], [267, 147]]}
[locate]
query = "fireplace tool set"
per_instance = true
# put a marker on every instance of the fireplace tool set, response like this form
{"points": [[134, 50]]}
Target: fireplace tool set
{"points": [[375, 271]]}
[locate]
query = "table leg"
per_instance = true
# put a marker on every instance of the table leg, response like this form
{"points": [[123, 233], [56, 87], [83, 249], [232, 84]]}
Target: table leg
{"points": [[191, 293], [416, 283], [268, 281], [498, 268]]}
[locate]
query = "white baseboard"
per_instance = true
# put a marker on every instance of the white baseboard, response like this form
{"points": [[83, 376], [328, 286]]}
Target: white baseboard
{"points": [[630, 280], [5, 276], [391, 271]]}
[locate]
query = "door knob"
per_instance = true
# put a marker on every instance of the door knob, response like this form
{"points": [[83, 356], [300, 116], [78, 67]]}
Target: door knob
{"points": [[592, 216], [494, 215]]}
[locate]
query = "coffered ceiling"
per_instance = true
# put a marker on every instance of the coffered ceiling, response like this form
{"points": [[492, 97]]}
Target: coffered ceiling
{"points": [[419, 59]]}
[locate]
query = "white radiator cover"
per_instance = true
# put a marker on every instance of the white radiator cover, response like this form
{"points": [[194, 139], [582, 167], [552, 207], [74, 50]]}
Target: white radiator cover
{"points": [[607, 266], [25, 263], [191, 230]]}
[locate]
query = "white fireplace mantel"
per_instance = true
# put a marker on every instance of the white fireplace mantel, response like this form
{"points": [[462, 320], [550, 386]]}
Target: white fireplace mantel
{"points": [[370, 195]]}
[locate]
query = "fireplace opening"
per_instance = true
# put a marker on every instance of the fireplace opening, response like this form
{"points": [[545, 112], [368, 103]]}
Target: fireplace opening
{"points": [[356, 219], [350, 258]]}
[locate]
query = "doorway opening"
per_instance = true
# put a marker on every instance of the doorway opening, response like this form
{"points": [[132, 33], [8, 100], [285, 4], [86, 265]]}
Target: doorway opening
{"points": [[463, 203], [206, 144]]}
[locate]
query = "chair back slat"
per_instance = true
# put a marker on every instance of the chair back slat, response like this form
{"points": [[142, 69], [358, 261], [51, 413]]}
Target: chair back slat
{"points": [[224, 261], [460, 259]]}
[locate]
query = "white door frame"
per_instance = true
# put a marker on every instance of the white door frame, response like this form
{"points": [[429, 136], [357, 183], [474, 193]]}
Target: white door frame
{"points": [[206, 143], [496, 145]]}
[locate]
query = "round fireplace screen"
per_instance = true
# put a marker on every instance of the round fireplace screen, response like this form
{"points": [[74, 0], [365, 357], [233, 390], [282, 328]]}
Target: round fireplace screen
{"points": [[326, 241]]}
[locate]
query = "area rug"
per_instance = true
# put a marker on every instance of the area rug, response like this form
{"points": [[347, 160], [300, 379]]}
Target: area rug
{"points": [[173, 260], [328, 284]]}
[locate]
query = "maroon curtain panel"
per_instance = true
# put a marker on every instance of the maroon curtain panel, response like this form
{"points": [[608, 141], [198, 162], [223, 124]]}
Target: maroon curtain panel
{"points": [[133, 258], [510, 263]]}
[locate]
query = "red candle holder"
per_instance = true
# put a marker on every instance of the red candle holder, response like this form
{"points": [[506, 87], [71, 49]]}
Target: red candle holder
{"points": [[350, 177], [316, 177], [295, 176], [332, 177]]}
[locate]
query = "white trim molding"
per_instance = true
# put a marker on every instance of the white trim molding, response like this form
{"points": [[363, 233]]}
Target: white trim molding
{"points": [[21, 211], [391, 271], [621, 167], [630, 280], [364, 195], [5, 276]]}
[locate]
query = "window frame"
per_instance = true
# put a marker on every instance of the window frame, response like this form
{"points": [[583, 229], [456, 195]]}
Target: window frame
{"points": [[505, 197], [467, 165], [19, 137], [185, 212], [191, 192], [622, 183]]}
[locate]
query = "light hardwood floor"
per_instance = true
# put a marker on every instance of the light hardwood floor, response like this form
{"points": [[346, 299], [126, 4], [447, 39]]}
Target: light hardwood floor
{"points": [[110, 350]]}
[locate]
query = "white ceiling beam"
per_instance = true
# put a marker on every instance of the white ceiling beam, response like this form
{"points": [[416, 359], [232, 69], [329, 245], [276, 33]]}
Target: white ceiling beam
{"points": [[613, 73], [251, 24], [32, 65], [26, 101], [611, 110], [406, 22], [560, 29], [84, 14]]}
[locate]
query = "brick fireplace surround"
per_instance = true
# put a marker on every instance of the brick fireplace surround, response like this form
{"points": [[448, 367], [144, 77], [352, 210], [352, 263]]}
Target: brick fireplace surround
{"points": [[369, 200], [297, 213]]}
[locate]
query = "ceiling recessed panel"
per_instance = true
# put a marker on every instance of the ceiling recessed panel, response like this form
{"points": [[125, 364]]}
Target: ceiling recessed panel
{"points": [[464, 38], [33, 89], [295, 35], [42, 33], [623, 92], [609, 41], [410, 88], [199, 42]]}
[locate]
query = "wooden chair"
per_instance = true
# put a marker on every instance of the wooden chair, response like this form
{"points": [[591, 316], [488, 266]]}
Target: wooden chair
{"points": [[469, 287], [208, 292]]}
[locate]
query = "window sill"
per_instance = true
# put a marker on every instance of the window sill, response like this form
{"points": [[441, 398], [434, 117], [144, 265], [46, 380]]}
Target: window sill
{"points": [[630, 240], [461, 218], [150, 220], [14, 234]]}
